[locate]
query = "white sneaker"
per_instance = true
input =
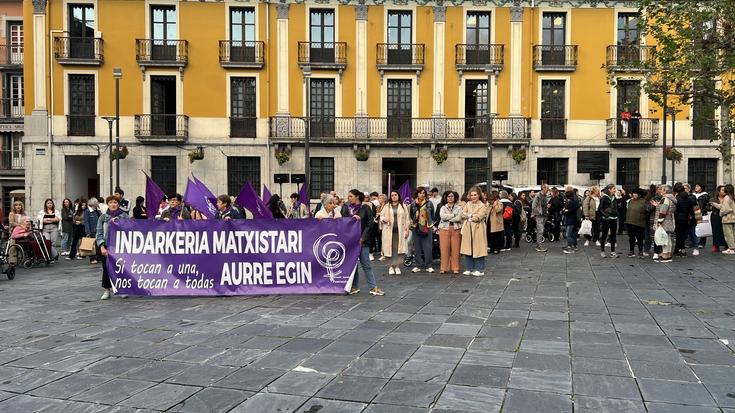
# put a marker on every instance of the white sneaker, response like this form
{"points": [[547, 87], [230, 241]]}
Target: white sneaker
{"points": [[105, 295], [478, 274], [371, 257], [655, 256], [415, 269], [429, 269], [597, 243], [695, 251], [398, 270], [728, 252], [607, 244], [467, 273], [586, 243], [391, 271]]}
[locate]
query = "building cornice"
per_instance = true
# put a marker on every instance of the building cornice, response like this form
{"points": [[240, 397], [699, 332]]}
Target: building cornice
{"points": [[444, 3]]}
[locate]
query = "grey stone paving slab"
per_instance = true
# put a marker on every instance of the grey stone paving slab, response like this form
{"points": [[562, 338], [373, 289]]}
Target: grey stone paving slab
{"points": [[424, 371], [680, 408], [715, 374], [524, 401], [545, 347], [542, 361], [161, 396], [724, 394], [445, 340], [212, 400], [70, 386], [388, 408], [299, 383], [115, 366], [663, 371], [331, 406], [470, 399], [606, 386], [482, 376], [675, 392], [157, 370], [372, 367], [113, 391], [585, 404], [353, 388], [541, 380], [607, 367], [201, 375], [31, 380], [409, 393], [266, 403], [250, 378], [391, 351], [489, 358], [327, 364], [282, 360], [24, 403]]}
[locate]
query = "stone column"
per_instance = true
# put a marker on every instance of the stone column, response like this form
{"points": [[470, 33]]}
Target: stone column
{"points": [[361, 12], [440, 12], [516, 53], [282, 60]]}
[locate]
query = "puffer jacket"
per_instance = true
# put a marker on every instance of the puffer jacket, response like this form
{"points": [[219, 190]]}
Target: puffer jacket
{"points": [[589, 208]]}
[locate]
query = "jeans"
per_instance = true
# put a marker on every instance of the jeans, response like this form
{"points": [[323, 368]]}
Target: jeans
{"points": [[366, 268], [422, 246], [609, 227], [540, 222], [571, 235], [65, 241], [682, 233], [474, 264], [508, 227], [635, 236], [693, 238]]}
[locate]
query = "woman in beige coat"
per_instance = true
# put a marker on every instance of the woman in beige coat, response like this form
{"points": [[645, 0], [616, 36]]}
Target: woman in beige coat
{"points": [[394, 227], [474, 239]]}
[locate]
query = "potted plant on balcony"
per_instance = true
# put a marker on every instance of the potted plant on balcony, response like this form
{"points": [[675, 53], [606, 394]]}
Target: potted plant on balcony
{"points": [[439, 154], [518, 155], [673, 154], [283, 154], [362, 153], [196, 155], [116, 154]]}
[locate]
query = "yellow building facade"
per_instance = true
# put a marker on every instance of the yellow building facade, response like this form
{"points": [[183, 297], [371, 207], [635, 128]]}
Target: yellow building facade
{"points": [[378, 88]]}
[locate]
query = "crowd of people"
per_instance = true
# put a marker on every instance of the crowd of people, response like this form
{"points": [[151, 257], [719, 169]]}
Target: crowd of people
{"points": [[662, 222]]}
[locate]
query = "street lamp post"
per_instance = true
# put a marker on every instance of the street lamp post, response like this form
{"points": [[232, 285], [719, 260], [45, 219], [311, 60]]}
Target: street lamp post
{"points": [[663, 161], [673, 142], [489, 172], [117, 74], [110, 120]]}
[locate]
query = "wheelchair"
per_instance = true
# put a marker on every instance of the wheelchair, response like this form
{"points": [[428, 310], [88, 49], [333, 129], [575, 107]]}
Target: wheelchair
{"points": [[548, 234], [36, 250], [10, 254]]}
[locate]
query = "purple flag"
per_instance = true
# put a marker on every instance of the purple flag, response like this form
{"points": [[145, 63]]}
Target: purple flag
{"points": [[405, 192], [304, 196], [212, 197], [197, 199], [249, 199], [266, 194], [153, 196]]}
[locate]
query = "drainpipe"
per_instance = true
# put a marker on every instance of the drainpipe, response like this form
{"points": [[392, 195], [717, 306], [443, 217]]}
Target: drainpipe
{"points": [[268, 89], [51, 104]]}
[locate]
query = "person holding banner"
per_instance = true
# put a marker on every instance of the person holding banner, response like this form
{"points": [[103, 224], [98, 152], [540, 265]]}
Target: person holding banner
{"points": [[225, 210], [474, 240], [175, 209], [327, 208], [114, 213], [356, 209], [394, 223]]}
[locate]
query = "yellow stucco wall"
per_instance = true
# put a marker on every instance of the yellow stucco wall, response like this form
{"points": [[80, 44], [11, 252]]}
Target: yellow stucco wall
{"points": [[588, 90]]}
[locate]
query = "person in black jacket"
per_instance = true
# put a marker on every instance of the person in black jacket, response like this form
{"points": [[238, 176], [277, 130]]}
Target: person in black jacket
{"points": [[608, 210], [683, 216], [571, 208], [225, 210], [556, 204], [621, 199], [357, 209]]}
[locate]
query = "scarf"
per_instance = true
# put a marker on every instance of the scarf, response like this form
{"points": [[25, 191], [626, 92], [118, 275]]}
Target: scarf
{"points": [[354, 209], [114, 214], [175, 212]]}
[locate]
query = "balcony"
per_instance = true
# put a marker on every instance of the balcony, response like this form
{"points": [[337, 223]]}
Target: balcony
{"points": [[162, 53], [479, 57], [80, 125], [12, 160], [400, 56], [12, 111], [555, 58], [78, 51], [11, 56], [239, 54], [641, 133], [705, 129], [157, 128], [400, 130], [553, 128], [243, 127], [323, 55], [630, 58]]}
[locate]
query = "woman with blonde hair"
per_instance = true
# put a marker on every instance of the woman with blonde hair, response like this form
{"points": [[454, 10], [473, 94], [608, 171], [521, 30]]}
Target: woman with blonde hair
{"points": [[394, 223], [589, 211], [474, 240], [16, 215]]}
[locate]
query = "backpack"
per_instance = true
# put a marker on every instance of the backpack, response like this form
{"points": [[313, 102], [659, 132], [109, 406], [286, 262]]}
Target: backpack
{"points": [[508, 213]]}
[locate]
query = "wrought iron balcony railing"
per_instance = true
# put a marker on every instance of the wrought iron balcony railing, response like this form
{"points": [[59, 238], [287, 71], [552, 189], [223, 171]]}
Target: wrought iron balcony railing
{"points": [[628, 57], [162, 128], [241, 54], [11, 55], [394, 128], [159, 52], [12, 159], [80, 125], [78, 50], [243, 127], [555, 58], [328, 55], [11, 110], [553, 128], [637, 131], [479, 57], [400, 56]]}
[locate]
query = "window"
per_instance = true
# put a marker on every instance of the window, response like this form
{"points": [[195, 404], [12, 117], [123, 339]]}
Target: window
{"points": [[703, 111], [475, 109], [163, 32], [242, 34], [163, 172], [628, 34], [241, 169], [321, 107], [400, 37], [81, 105], [478, 38], [553, 109], [628, 173], [475, 171], [554, 30], [81, 31], [552, 171], [14, 108], [242, 107], [629, 99], [321, 32], [16, 42], [322, 176], [704, 172], [399, 109], [163, 105]]}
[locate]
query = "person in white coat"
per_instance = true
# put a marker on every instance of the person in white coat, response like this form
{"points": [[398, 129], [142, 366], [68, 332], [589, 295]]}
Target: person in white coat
{"points": [[394, 224], [49, 221]]}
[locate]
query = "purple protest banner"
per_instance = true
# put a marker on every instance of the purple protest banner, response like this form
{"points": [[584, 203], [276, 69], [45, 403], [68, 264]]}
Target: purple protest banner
{"points": [[153, 197], [250, 200], [232, 257], [266, 194], [197, 199], [405, 192]]}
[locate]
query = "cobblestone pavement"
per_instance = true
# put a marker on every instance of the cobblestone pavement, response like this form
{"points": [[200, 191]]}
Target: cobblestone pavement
{"points": [[540, 333]]}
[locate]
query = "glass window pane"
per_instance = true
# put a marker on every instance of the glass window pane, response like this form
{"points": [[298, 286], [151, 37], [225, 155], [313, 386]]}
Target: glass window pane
{"points": [[471, 20], [236, 17], [329, 19], [249, 16]]}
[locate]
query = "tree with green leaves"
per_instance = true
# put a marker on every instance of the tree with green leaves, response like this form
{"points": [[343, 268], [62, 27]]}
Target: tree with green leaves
{"points": [[693, 62]]}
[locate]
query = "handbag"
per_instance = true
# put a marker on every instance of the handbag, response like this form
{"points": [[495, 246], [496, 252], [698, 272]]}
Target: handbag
{"points": [[704, 228], [661, 237], [585, 228], [87, 247]]}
